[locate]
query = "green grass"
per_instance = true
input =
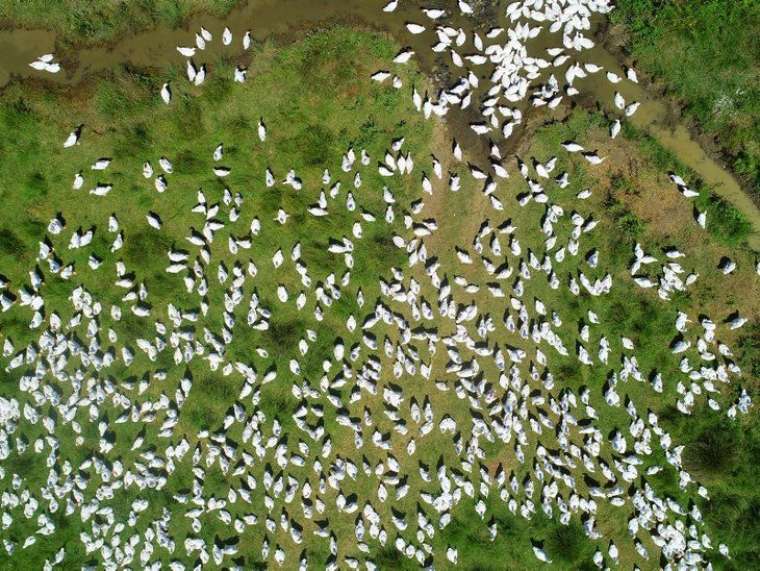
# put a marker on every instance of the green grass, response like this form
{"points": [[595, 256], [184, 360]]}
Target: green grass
{"points": [[626, 310], [312, 118], [723, 455], [707, 53], [749, 357], [720, 453]]}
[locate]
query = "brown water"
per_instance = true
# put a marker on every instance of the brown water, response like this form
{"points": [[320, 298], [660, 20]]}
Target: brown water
{"points": [[156, 48], [286, 19]]}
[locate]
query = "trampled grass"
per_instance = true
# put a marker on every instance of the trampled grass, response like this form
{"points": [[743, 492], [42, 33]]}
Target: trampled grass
{"points": [[635, 203]]}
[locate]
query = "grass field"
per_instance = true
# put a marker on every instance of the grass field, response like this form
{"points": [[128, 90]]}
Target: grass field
{"points": [[315, 97], [640, 205], [316, 100], [707, 54]]}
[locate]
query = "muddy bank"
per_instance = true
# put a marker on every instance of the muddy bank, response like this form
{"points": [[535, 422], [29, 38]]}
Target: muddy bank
{"points": [[102, 24], [661, 117], [281, 21], [156, 48], [615, 40]]}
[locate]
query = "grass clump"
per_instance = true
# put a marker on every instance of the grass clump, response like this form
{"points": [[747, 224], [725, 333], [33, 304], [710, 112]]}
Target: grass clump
{"points": [[724, 221]]}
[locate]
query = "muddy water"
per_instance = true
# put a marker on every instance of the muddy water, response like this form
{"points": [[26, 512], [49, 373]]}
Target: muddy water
{"points": [[284, 19], [20, 47], [156, 48]]}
